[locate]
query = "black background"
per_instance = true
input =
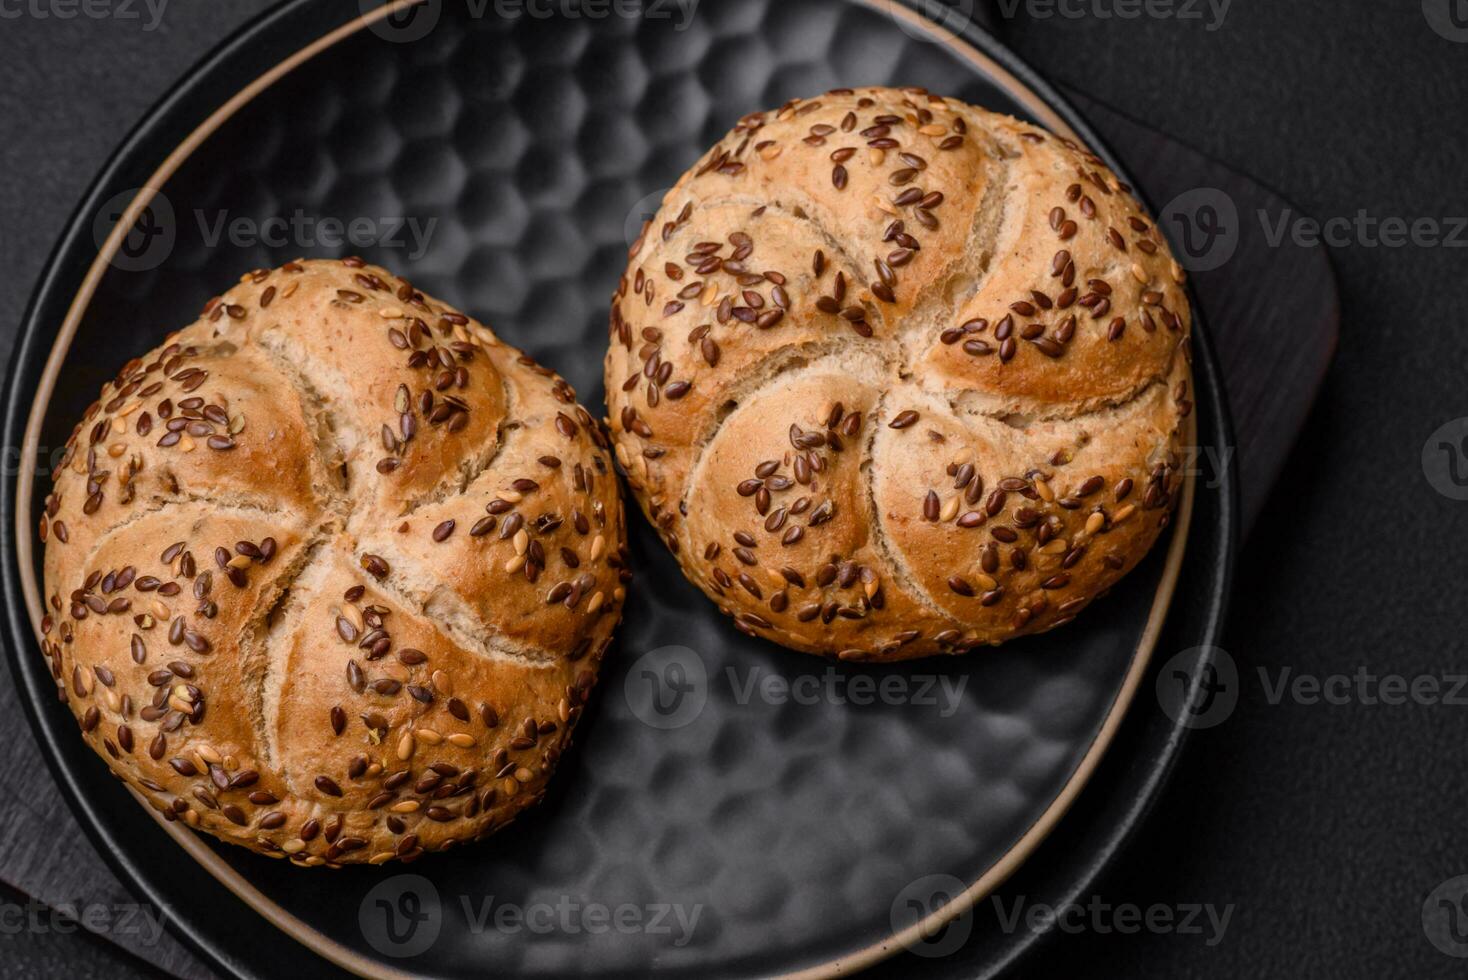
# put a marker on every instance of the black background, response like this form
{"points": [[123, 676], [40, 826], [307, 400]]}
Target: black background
{"points": [[1324, 826]]}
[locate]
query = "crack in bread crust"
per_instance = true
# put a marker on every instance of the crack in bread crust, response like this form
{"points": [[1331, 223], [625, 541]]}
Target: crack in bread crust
{"points": [[274, 622], [976, 262], [799, 214], [159, 504], [332, 454], [482, 462], [878, 527], [1064, 412], [769, 370], [445, 612]]}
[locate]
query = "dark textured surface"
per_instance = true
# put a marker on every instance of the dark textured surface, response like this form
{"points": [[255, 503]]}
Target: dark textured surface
{"points": [[1260, 292], [516, 139], [39, 943], [73, 89], [1326, 825]]}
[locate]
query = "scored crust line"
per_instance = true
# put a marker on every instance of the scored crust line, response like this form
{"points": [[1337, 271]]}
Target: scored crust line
{"points": [[260, 641], [446, 614], [895, 563], [978, 261], [159, 505], [326, 435], [451, 618], [1077, 411], [483, 462], [820, 350], [763, 374], [801, 215]]}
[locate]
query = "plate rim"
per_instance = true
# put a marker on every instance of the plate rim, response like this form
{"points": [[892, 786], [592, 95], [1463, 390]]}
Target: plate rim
{"points": [[970, 44]]}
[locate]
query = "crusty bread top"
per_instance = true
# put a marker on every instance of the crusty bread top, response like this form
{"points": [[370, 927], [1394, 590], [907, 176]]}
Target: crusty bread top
{"points": [[892, 375], [330, 573]]}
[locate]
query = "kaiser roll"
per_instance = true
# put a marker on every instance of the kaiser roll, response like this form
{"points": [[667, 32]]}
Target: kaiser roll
{"points": [[330, 573], [896, 376]]}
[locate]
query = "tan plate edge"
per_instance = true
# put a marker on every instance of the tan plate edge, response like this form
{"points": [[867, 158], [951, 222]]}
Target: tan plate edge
{"points": [[349, 959], [292, 926]]}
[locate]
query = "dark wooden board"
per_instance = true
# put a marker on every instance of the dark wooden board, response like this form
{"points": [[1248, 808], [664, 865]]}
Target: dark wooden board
{"points": [[1272, 309]]}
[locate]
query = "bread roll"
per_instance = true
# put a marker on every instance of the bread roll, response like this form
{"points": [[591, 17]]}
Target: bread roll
{"points": [[895, 376], [330, 574]]}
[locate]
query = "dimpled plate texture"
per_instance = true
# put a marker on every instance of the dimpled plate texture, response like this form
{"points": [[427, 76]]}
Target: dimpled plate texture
{"points": [[528, 150]]}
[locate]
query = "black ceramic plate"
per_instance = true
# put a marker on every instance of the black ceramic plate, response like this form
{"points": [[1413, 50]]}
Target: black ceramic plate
{"points": [[732, 809]]}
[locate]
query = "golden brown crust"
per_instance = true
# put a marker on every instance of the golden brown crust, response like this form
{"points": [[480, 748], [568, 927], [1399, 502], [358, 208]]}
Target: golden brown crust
{"points": [[895, 376], [331, 573]]}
